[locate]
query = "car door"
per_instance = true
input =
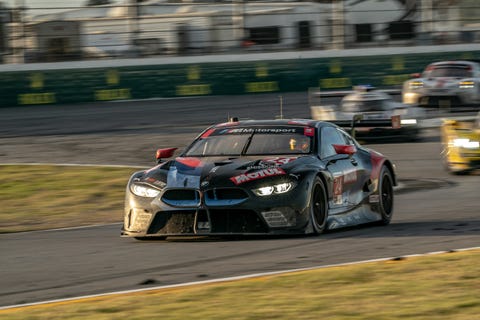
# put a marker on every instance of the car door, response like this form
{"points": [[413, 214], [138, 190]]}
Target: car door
{"points": [[342, 163]]}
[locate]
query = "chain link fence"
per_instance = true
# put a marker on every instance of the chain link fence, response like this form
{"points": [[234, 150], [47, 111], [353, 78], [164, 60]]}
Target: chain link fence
{"points": [[32, 32]]}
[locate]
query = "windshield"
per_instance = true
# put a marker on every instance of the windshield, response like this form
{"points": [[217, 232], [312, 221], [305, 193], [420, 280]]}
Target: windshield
{"points": [[252, 141], [363, 105], [449, 71]]}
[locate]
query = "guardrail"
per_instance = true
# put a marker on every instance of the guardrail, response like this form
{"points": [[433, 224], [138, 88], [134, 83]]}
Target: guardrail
{"points": [[80, 82]]}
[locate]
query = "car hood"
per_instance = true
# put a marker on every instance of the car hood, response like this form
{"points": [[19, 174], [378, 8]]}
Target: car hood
{"points": [[202, 172]]}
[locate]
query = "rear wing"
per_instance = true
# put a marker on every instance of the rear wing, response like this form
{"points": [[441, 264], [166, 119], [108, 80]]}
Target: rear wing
{"points": [[358, 122]]}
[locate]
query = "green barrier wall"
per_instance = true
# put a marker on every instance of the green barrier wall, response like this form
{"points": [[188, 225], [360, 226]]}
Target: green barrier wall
{"points": [[196, 79]]}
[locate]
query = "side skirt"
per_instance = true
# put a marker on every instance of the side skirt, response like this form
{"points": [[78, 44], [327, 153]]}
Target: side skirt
{"points": [[360, 215]]}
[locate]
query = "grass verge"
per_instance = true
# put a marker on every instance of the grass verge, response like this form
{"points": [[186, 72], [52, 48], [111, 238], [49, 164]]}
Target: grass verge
{"points": [[443, 286], [47, 197]]}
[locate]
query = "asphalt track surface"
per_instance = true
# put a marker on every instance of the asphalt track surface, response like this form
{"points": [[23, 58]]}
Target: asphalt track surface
{"points": [[434, 211]]}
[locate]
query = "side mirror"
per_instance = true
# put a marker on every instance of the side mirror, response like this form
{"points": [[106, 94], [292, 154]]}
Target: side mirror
{"points": [[349, 149], [164, 153]]}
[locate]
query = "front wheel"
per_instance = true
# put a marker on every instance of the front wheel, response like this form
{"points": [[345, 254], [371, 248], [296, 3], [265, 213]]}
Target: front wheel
{"points": [[318, 207], [385, 193]]}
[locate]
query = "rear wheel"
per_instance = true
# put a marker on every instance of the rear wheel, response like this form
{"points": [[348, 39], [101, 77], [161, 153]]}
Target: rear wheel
{"points": [[385, 193], [318, 207]]}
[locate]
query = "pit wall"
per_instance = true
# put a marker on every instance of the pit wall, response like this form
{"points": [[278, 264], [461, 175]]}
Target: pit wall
{"points": [[235, 74]]}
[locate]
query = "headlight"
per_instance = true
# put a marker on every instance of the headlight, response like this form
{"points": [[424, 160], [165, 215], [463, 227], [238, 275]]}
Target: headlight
{"points": [[144, 190], [415, 85], [466, 84], [466, 143], [408, 121], [275, 189]]}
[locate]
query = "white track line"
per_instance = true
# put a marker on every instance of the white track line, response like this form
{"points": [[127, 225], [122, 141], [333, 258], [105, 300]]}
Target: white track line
{"points": [[72, 165], [228, 279]]}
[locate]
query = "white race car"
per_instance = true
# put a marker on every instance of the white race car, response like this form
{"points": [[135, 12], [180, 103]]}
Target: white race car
{"points": [[373, 106], [445, 85]]}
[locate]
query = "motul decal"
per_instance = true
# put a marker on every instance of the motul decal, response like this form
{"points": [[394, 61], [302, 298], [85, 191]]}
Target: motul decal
{"points": [[246, 177]]}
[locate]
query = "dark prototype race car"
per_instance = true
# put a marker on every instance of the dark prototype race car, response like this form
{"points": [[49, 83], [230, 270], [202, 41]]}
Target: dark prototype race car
{"points": [[261, 178]]}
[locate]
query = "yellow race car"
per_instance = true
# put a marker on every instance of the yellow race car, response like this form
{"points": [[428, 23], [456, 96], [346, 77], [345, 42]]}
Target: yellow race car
{"points": [[461, 144]]}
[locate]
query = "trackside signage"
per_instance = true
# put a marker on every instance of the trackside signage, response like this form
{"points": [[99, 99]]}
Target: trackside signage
{"points": [[60, 84]]}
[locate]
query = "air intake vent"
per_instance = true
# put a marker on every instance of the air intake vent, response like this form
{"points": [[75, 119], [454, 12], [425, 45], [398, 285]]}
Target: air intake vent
{"points": [[182, 197], [225, 196]]}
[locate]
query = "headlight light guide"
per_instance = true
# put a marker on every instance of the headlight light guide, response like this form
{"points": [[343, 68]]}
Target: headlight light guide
{"points": [[415, 85], [274, 189], [466, 143], [143, 190], [466, 84], [408, 121]]}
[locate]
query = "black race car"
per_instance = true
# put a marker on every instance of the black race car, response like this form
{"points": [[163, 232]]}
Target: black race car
{"points": [[261, 178]]}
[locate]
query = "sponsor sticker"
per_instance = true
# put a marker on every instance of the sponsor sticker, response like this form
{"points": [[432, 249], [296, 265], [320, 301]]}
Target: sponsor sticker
{"points": [[350, 176], [261, 130], [156, 182], [396, 123], [309, 131], [246, 177], [338, 190], [374, 198], [278, 160]]}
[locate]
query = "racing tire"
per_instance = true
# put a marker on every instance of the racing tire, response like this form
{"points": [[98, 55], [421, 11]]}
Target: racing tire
{"points": [[318, 207], [385, 195]]}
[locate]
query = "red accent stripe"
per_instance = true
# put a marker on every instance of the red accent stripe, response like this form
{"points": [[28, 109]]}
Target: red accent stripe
{"points": [[191, 162], [207, 133]]}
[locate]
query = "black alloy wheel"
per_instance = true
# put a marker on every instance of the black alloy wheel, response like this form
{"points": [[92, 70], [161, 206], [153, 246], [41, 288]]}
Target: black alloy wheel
{"points": [[318, 207], [385, 190]]}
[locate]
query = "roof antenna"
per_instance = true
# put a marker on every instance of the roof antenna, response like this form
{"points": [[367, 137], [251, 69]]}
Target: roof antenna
{"points": [[281, 107]]}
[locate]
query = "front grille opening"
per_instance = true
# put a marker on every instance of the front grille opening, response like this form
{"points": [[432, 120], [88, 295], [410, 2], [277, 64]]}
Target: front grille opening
{"points": [[181, 194]]}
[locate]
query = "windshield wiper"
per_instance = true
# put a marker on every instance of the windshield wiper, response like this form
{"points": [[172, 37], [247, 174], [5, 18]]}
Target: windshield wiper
{"points": [[247, 144]]}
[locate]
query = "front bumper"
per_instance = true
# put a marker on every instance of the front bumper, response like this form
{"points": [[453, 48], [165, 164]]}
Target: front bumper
{"points": [[254, 215], [461, 161], [439, 99]]}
